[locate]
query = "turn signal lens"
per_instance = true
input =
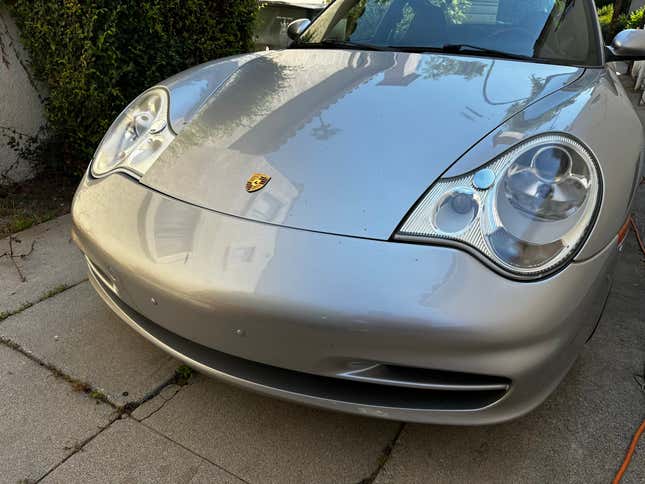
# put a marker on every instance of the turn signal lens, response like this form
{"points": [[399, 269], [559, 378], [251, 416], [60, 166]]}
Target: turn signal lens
{"points": [[624, 232]]}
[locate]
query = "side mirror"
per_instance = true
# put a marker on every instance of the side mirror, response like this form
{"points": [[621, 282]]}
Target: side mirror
{"points": [[628, 45], [297, 27]]}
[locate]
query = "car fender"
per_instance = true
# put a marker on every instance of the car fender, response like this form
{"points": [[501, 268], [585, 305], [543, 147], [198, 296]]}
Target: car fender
{"points": [[596, 110]]}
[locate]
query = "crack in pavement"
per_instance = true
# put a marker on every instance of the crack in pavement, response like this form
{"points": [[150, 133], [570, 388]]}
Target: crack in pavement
{"points": [[385, 456], [76, 384], [44, 297], [79, 447], [158, 395], [130, 407], [82, 386], [193, 452]]}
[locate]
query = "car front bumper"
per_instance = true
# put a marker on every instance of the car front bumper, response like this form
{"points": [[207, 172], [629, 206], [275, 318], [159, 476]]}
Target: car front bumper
{"points": [[400, 331]]}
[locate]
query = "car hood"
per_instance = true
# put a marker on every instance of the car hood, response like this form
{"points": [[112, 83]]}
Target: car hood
{"points": [[350, 139]]}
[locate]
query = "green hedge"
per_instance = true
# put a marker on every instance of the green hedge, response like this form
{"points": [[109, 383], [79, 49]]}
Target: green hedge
{"points": [[97, 56], [633, 20]]}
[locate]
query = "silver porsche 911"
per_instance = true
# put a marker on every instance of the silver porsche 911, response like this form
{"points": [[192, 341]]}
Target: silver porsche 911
{"points": [[413, 212]]}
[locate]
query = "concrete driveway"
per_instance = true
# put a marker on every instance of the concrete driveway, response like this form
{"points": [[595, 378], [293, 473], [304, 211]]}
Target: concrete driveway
{"points": [[84, 398]]}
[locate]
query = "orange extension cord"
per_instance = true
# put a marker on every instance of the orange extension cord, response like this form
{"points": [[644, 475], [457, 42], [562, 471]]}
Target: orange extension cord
{"points": [[637, 233], [630, 453], [641, 429]]}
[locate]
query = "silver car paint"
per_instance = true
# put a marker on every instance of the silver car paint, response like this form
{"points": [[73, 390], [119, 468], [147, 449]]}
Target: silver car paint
{"points": [[192, 87], [335, 124], [319, 303]]}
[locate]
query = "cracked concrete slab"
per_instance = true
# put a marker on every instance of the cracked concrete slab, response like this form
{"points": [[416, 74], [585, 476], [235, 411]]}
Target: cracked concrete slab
{"points": [[77, 333], [130, 452], [265, 440], [43, 418], [54, 262]]}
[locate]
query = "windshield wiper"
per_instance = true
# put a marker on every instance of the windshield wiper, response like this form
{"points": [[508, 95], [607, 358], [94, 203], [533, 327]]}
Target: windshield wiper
{"points": [[447, 48], [339, 44], [462, 48]]}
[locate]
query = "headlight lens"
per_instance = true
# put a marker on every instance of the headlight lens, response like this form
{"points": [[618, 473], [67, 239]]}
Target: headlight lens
{"points": [[528, 211], [137, 138]]}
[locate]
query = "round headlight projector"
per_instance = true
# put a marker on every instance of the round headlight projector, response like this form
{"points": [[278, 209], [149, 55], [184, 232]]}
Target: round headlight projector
{"points": [[551, 163], [456, 211], [547, 186]]}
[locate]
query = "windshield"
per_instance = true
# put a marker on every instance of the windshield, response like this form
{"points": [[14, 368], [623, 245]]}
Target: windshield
{"points": [[561, 31]]}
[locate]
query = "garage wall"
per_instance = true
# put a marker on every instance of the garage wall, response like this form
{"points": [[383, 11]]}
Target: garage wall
{"points": [[21, 107]]}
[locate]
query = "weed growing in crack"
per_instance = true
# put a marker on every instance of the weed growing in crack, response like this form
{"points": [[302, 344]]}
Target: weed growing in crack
{"points": [[183, 374], [56, 290]]}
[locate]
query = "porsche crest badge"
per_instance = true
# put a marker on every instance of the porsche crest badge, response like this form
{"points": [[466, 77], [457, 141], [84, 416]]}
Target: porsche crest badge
{"points": [[256, 182]]}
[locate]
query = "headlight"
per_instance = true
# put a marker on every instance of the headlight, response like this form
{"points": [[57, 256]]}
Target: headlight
{"points": [[527, 211], [137, 138]]}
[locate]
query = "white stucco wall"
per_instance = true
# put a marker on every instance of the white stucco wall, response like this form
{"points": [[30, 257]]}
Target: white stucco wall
{"points": [[21, 107], [636, 4]]}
